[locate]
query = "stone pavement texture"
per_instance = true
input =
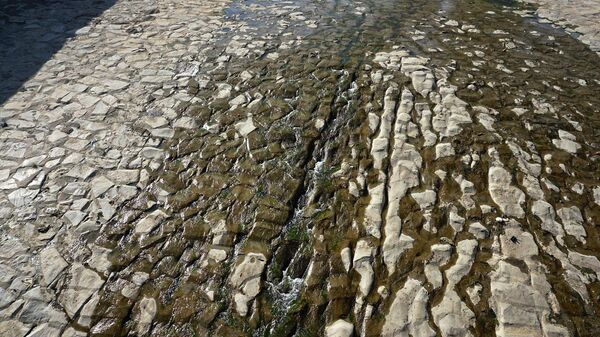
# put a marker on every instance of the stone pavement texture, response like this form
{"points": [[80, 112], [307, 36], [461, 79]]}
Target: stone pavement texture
{"points": [[579, 16], [298, 168], [76, 142]]}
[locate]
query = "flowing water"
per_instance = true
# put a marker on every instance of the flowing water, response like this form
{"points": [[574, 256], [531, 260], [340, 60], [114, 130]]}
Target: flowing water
{"points": [[345, 144]]}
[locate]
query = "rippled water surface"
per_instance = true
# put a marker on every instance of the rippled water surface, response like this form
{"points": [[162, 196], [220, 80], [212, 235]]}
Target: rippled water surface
{"points": [[261, 202]]}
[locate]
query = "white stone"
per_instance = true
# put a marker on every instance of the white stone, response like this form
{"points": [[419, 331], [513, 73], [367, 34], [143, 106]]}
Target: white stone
{"points": [[44, 330], [147, 224], [474, 293], [123, 177], [393, 247], [596, 192], [52, 264], [238, 100], [443, 150], [244, 128], [81, 171], [74, 217], [425, 199], [423, 81], [99, 259], [147, 311], [346, 258], [572, 221], [545, 212], [567, 142], [455, 221], [25, 175], [22, 197], [440, 255], [13, 328], [478, 230], [246, 278], [408, 314], [373, 218], [87, 312], [452, 316], [339, 328], [83, 283], [241, 303], [100, 184], [218, 255], [509, 198], [363, 254], [466, 250], [585, 261]]}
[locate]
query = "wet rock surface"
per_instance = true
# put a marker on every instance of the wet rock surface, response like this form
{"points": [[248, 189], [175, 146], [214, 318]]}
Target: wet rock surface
{"points": [[303, 168], [580, 18]]}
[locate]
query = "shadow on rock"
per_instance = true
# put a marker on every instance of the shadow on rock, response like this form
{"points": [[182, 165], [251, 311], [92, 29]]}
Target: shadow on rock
{"points": [[31, 31]]}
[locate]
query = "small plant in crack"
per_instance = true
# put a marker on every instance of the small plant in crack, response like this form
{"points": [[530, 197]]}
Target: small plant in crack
{"points": [[261, 190], [275, 272], [336, 242], [297, 233], [297, 305], [324, 180]]}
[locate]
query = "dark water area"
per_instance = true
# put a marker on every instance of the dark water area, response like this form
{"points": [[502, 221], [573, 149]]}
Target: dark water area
{"points": [[276, 191]]}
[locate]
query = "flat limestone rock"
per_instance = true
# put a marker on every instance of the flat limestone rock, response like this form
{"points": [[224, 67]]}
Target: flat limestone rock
{"points": [[13, 328], [545, 212], [423, 81], [246, 279], [52, 264], [147, 224], [585, 261], [373, 217], [87, 312], [44, 330], [339, 328], [522, 301], [440, 255], [466, 256], [393, 248], [572, 220], [509, 198], [244, 128], [408, 314], [452, 316], [22, 197], [567, 142], [147, 312], [425, 199], [478, 230], [83, 283], [346, 256], [443, 150], [363, 254], [100, 184]]}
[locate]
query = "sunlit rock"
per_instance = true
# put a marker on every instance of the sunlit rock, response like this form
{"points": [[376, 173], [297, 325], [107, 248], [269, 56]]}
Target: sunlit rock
{"points": [[408, 315], [509, 198]]}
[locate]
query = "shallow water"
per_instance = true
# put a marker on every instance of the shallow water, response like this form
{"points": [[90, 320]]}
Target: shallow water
{"points": [[283, 189]]}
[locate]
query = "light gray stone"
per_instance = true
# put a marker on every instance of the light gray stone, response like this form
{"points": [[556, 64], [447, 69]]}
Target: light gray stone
{"points": [[339, 328], [13, 328], [147, 311], [52, 264], [83, 283], [509, 198]]}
